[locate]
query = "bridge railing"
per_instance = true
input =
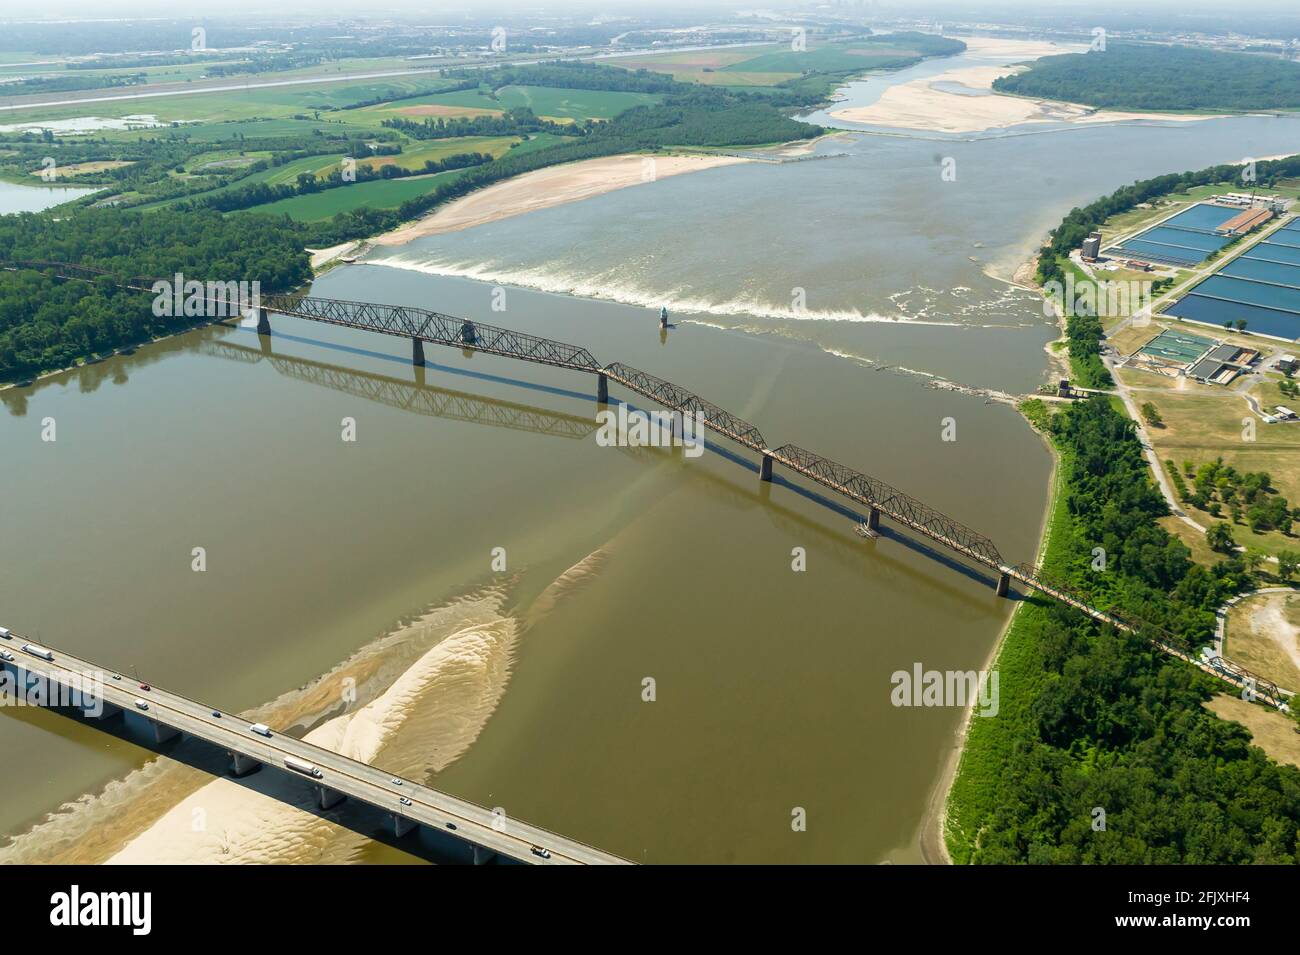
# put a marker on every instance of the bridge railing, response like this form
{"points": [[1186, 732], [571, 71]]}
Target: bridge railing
{"points": [[86, 273]]}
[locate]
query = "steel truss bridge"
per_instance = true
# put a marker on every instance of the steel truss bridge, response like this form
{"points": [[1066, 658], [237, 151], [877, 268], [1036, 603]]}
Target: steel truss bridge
{"points": [[423, 326]]}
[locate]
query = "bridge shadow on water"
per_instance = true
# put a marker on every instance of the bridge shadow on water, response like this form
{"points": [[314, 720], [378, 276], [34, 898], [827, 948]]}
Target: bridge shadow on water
{"points": [[759, 493]]}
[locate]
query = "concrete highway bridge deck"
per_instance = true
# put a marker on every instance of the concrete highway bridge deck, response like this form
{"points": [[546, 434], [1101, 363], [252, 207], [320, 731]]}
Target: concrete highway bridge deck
{"points": [[424, 326], [106, 694]]}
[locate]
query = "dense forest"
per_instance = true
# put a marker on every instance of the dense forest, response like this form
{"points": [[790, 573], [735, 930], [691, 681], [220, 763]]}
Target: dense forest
{"points": [[46, 323], [1139, 77], [1095, 719]]}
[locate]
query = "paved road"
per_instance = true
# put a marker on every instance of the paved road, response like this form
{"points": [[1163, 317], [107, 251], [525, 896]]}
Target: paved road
{"points": [[468, 821]]}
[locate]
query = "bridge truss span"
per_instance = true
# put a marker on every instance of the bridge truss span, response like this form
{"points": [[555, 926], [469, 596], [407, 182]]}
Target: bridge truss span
{"points": [[889, 500], [434, 327], [679, 399]]}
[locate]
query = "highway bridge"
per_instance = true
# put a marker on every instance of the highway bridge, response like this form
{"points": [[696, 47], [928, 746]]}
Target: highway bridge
{"points": [[874, 496], [107, 694]]}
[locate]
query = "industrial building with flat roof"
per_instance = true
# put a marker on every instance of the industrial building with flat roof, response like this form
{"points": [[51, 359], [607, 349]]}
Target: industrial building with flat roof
{"points": [[1243, 222], [1173, 353]]}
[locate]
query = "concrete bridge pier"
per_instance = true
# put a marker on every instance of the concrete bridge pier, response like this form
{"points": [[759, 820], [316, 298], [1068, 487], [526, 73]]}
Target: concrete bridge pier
{"points": [[765, 468], [402, 825], [102, 711], [483, 856], [162, 732], [1004, 584], [417, 352], [873, 520], [602, 388], [241, 765], [263, 322], [328, 798]]}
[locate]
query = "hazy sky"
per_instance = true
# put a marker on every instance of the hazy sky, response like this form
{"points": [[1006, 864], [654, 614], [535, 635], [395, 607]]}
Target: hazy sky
{"points": [[433, 10]]}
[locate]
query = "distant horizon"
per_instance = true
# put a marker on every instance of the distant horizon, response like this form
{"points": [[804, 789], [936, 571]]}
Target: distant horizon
{"points": [[117, 10]]}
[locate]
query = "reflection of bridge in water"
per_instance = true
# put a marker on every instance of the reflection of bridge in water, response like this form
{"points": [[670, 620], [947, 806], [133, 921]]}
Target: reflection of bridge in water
{"points": [[477, 409], [405, 396], [878, 498]]}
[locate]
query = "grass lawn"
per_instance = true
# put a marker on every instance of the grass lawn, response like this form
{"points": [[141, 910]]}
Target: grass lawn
{"points": [[377, 194], [1269, 393], [1193, 538], [1259, 636], [1273, 732], [1134, 337], [1200, 428], [224, 160], [538, 141]]}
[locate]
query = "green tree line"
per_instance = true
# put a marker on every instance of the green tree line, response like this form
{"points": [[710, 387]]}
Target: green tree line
{"points": [[47, 323], [1134, 76], [1102, 752]]}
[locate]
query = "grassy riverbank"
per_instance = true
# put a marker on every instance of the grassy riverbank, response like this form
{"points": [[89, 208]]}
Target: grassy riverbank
{"points": [[973, 793]]}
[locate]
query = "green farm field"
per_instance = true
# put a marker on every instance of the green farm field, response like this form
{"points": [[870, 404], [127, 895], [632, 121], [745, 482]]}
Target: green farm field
{"points": [[377, 194], [548, 102]]}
